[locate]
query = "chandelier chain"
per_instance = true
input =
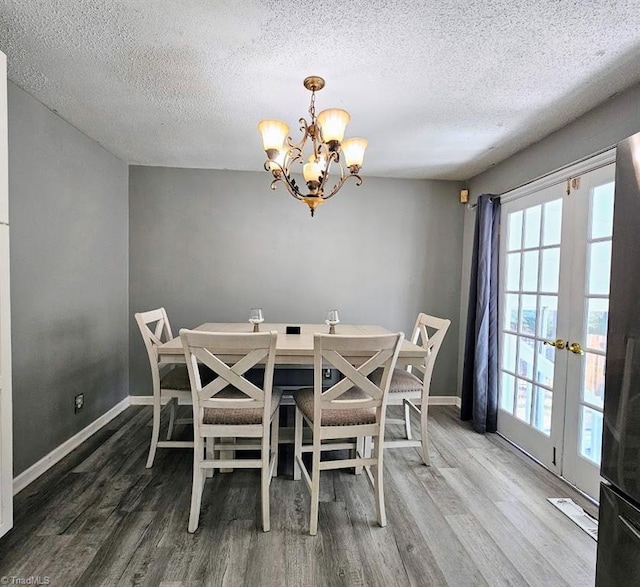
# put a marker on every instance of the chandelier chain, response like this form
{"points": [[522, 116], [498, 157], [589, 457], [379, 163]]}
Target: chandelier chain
{"points": [[312, 107]]}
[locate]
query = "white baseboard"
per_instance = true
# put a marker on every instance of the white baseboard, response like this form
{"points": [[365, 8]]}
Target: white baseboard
{"points": [[444, 400], [147, 400], [57, 454], [140, 400]]}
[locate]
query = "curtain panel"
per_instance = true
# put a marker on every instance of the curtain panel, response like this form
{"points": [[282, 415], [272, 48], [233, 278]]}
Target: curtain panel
{"points": [[480, 375]]}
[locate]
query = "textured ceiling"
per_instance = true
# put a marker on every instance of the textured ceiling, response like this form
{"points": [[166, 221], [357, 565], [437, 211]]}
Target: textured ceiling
{"points": [[441, 89]]}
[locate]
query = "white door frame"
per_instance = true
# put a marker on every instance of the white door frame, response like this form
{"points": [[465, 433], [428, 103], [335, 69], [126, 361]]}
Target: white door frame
{"points": [[6, 415]]}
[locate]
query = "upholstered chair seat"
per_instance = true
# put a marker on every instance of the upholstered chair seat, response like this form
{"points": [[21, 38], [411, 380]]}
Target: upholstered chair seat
{"points": [[236, 416], [177, 378], [336, 416], [401, 381]]}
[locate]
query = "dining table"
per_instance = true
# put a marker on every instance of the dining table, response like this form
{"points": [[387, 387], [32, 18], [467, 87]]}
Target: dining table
{"points": [[293, 349]]}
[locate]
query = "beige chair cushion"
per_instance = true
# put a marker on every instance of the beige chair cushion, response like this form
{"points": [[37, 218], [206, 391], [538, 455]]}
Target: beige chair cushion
{"points": [[337, 417], [178, 378], [404, 382], [401, 381], [233, 416]]}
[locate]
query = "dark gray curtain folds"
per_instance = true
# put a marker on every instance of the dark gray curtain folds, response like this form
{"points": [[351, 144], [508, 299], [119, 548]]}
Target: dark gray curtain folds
{"points": [[480, 375]]}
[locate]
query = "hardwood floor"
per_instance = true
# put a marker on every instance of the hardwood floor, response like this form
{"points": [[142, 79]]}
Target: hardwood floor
{"points": [[477, 516]]}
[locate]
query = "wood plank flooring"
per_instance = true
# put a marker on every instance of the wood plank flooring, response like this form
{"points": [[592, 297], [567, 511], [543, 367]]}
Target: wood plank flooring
{"points": [[477, 516]]}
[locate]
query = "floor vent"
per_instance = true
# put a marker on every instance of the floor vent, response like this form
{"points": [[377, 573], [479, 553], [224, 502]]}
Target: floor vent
{"points": [[577, 515]]}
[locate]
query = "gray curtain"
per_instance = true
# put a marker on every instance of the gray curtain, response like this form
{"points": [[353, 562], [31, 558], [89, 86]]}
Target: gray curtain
{"points": [[480, 375]]}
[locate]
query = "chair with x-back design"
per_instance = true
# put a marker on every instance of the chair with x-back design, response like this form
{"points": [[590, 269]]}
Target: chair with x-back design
{"points": [[352, 409], [170, 382], [231, 406], [410, 386]]}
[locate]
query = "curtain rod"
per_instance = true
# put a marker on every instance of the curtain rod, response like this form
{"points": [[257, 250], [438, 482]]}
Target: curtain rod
{"points": [[559, 171]]}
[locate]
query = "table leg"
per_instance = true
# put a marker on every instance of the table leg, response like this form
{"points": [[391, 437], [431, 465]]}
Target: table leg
{"points": [[227, 454], [208, 443]]}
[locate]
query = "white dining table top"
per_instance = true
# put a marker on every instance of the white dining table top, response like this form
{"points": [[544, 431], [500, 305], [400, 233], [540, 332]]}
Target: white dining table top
{"points": [[294, 349]]}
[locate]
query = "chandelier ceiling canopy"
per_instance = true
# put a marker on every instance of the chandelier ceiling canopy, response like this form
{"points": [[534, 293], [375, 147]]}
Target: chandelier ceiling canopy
{"points": [[325, 136]]}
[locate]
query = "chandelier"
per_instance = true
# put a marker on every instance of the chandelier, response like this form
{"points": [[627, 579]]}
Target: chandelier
{"points": [[326, 134]]}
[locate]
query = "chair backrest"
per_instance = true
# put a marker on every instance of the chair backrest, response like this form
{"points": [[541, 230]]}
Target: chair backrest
{"points": [[247, 351], [155, 329], [429, 333], [372, 352]]}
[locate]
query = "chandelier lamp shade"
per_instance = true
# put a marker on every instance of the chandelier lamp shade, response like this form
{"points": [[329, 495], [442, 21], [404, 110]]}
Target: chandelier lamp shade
{"points": [[324, 139]]}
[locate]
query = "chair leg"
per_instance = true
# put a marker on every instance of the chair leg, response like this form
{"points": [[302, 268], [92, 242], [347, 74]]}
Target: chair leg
{"points": [[297, 445], [315, 488], [197, 486], [275, 439], [359, 449], [172, 417], [407, 419], [266, 479], [379, 486], [424, 432], [155, 432]]}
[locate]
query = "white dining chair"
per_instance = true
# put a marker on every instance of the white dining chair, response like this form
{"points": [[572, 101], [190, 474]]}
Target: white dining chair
{"points": [[350, 410], [170, 381], [232, 407], [410, 385]]}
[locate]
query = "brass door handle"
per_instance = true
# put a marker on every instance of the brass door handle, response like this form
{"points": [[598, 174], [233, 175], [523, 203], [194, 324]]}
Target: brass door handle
{"points": [[575, 348], [558, 343]]}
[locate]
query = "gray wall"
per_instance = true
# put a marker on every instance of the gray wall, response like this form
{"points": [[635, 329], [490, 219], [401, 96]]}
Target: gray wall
{"points": [[595, 131], [209, 245], [69, 278]]}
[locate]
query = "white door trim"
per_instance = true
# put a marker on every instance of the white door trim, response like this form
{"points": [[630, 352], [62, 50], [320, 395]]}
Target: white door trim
{"points": [[561, 175], [6, 412]]}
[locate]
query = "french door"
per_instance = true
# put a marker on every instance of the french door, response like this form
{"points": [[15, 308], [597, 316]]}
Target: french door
{"points": [[555, 263]]}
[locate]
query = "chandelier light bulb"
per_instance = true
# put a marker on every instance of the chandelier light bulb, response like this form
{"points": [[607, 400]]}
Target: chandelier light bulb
{"points": [[353, 151], [274, 134], [333, 123], [312, 171]]}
